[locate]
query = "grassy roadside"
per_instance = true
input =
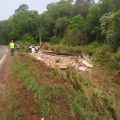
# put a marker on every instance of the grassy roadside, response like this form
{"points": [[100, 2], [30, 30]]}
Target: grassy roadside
{"points": [[99, 98], [9, 106], [14, 108], [42, 96], [69, 94]]}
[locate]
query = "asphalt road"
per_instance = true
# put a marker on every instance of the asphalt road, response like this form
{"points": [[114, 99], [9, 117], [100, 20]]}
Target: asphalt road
{"points": [[3, 55]]}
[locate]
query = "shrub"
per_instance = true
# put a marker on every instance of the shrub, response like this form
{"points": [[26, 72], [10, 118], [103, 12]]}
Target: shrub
{"points": [[26, 41], [55, 40], [103, 54], [106, 57], [117, 58], [3, 42], [90, 48]]}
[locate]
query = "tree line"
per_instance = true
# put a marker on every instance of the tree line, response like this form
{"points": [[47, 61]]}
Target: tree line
{"points": [[66, 22]]}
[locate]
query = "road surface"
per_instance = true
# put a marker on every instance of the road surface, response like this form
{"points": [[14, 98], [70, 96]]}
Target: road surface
{"points": [[3, 55]]}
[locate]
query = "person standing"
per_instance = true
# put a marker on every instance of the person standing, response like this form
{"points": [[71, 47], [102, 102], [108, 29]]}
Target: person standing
{"points": [[17, 46], [12, 47]]}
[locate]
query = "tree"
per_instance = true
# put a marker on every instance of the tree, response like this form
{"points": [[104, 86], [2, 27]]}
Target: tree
{"points": [[92, 24], [61, 25], [116, 4], [114, 31], [106, 6], [82, 7], [60, 9], [76, 29], [105, 25], [22, 7], [5, 28], [53, 18], [84, 1], [47, 26], [110, 24], [25, 22]]}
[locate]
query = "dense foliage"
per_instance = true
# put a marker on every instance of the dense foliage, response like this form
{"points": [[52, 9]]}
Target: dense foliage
{"points": [[67, 22]]}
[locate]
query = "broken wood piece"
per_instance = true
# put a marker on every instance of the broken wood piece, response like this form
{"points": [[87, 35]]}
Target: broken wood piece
{"points": [[87, 63]]}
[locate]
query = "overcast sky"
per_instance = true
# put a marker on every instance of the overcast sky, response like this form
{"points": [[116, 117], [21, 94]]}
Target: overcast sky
{"points": [[7, 7]]}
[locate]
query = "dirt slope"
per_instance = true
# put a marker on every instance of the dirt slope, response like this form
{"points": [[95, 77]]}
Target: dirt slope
{"points": [[16, 101]]}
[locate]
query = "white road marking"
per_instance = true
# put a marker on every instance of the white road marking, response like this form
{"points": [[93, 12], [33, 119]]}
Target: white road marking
{"points": [[3, 58]]}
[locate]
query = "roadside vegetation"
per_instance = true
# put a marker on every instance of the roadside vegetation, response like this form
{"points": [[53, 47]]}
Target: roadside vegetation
{"points": [[70, 94], [80, 27]]}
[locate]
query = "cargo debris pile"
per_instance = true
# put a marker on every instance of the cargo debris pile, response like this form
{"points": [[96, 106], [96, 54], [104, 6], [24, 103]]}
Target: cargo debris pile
{"points": [[63, 61]]}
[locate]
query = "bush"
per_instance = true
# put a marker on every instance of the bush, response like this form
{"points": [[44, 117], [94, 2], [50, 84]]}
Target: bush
{"points": [[69, 39], [55, 40], [90, 48], [102, 54], [74, 38], [117, 58], [27, 41], [105, 56], [3, 42]]}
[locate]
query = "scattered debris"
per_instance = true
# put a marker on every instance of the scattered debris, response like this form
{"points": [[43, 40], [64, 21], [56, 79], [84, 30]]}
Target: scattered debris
{"points": [[63, 61], [45, 46], [83, 68], [42, 118]]}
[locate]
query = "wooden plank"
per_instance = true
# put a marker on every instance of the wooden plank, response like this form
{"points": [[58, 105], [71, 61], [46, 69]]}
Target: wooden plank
{"points": [[61, 53]]}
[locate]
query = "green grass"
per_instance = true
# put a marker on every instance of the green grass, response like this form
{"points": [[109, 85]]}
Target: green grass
{"points": [[89, 49], [42, 95], [89, 102], [12, 108], [84, 97]]}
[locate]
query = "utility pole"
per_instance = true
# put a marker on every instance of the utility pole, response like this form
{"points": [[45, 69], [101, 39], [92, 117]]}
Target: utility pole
{"points": [[40, 31], [40, 37]]}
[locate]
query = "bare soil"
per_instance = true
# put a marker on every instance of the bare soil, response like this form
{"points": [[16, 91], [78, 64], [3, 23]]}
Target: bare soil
{"points": [[16, 100]]}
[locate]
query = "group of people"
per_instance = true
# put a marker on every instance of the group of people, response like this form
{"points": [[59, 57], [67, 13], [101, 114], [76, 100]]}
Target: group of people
{"points": [[14, 46]]}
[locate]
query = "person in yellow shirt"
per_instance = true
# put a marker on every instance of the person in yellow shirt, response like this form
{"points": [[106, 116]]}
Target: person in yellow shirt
{"points": [[12, 47]]}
